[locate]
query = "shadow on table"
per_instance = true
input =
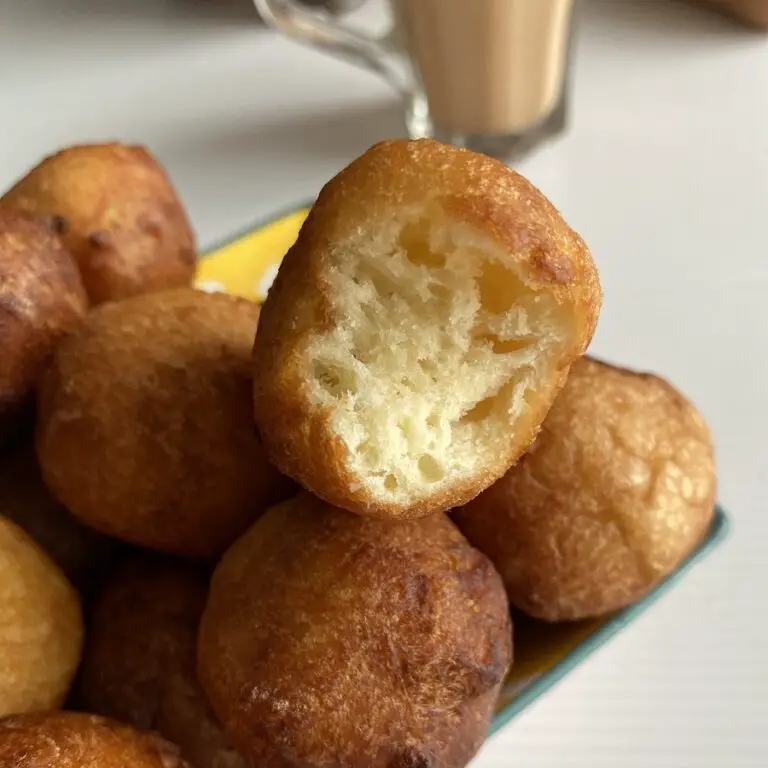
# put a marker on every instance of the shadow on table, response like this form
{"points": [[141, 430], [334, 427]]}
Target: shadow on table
{"points": [[224, 11], [337, 133], [227, 10]]}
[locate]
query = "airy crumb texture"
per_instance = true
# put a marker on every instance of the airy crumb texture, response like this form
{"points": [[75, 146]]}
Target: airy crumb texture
{"points": [[41, 300], [617, 490], [117, 211], [79, 740], [144, 423], [151, 681], [418, 330], [332, 639], [41, 627]]}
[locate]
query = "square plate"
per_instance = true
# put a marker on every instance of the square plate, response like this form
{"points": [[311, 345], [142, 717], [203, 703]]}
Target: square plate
{"points": [[245, 265]]}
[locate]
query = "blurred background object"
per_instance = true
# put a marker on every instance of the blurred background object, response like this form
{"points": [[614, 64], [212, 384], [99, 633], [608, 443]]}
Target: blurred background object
{"points": [[751, 12]]}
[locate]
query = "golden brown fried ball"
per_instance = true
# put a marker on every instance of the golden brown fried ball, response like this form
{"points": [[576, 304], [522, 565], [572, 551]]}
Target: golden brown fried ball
{"points": [[139, 660], [144, 426], [615, 493], [418, 330], [41, 626], [118, 213], [80, 552], [157, 604], [41, 300], [79, 740], [334, 639]]}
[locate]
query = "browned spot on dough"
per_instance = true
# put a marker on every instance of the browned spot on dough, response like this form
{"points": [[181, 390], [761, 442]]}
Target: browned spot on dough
{"points": [[99, 239], [187, 255], [59, 224], [551, 267]]}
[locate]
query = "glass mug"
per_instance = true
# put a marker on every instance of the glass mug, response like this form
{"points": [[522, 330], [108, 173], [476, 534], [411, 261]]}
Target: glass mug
{"points": [[491, 75]]}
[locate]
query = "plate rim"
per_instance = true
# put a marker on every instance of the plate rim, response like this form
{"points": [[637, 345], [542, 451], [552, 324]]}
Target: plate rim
{"points": [[719, 530]]}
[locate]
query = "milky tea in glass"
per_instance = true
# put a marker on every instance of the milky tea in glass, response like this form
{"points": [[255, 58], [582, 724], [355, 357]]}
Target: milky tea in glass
{"points": [[488, 74]]}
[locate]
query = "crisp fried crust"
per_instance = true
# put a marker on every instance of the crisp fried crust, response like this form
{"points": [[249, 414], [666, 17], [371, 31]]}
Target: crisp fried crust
{"points": [[618, 488], [77, 740], [144, 426], [334, 639], [41, 627], [82, 553], [118, 213], [151, 682], [41, 300], [490, 207]]}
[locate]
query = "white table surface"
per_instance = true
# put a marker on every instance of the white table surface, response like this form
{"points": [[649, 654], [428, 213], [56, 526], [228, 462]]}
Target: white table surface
{"points": [[664, 172]]}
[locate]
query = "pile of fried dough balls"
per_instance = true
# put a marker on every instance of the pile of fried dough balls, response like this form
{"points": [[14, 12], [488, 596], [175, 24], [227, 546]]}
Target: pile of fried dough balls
{"points": [[302, 550]]}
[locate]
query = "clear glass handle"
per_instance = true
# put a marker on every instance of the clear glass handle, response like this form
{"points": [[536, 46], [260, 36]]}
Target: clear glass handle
{"points": [[378, 54]]}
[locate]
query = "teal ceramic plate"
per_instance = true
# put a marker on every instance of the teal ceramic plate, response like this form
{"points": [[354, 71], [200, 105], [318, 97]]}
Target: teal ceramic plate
{"points": [[544, 653]]}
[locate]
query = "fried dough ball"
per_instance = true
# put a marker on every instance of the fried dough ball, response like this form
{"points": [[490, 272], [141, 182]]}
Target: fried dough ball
{"points": [[79, 740], [617, 490], [41, 627], [118, 213], [41, 300], [144, 426], [150, 681], [419, 330], [334, 639], [80, 552]]}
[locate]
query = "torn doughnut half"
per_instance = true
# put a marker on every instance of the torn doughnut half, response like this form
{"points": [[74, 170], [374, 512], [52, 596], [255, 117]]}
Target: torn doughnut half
{"points": [[418, 330]]}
